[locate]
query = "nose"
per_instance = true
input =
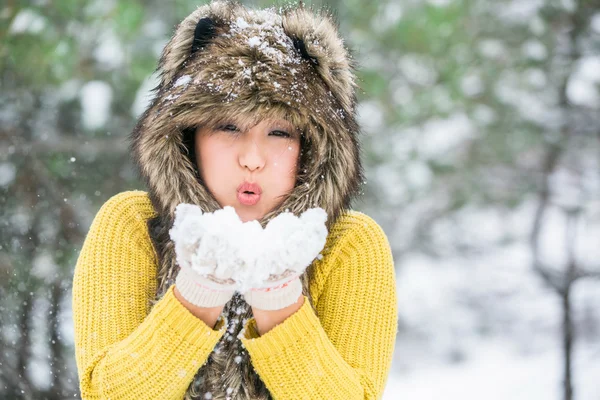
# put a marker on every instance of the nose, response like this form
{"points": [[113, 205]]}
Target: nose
{"points": [[250, 154]]}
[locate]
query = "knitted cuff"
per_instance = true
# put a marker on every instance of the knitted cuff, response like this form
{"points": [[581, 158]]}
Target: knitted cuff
{"points": [[191, 287], [274, 298]]}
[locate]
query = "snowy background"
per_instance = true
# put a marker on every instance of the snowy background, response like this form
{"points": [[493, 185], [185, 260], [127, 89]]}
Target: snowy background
{"points": [[481, 142]]}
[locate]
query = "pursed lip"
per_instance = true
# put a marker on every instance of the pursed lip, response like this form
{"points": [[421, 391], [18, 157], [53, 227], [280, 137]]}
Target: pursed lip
{"points": [[249, 187]]}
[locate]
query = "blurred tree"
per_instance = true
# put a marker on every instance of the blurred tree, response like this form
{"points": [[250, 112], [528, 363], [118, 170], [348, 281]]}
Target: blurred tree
{"points": [[475, 106], [70, 76]]}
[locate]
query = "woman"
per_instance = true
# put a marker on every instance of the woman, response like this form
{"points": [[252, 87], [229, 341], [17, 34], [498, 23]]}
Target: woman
{"points": [[256, 110]]}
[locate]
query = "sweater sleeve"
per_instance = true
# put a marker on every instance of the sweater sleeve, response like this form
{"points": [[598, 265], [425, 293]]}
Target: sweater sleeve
{"points": [[125, 349], [344, 349]]}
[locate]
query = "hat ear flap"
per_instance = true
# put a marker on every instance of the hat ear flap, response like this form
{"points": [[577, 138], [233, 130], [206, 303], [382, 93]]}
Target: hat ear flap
{"points": [[205, 31], [192, 34], [316, 37]]}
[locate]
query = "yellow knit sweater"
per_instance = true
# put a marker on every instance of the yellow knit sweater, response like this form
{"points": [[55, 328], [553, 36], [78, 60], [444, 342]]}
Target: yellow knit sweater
{"points": [[126, 349]]}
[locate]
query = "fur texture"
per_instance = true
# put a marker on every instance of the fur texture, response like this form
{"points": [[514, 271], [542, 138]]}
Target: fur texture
{"points": [[246, 65]]}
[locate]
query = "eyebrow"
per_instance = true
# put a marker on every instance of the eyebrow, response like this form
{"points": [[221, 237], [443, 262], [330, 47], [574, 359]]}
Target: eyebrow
{"points": [[282, 124], [287, 127], [244, 124]]}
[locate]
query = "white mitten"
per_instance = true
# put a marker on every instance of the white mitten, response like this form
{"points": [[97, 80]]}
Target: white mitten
{"points": [[205, 254], [289, 246]]}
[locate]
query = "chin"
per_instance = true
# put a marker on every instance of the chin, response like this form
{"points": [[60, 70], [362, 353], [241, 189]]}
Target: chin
{"points": [[249, 215]]}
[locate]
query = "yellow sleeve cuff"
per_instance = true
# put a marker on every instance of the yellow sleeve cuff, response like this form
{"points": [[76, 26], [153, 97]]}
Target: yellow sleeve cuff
{"points": [[297, 327], [187, 326]]}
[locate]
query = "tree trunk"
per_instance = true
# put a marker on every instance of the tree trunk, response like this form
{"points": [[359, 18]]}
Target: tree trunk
{"points": [[56, 364], [567, 342], [23, 349]]}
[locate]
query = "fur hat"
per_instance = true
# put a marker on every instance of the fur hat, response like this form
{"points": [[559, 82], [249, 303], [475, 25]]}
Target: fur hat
{"points": [[223, 62]]}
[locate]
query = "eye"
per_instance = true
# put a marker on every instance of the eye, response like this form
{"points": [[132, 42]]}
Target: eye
{"points": [[282, 134], [229, 128]]}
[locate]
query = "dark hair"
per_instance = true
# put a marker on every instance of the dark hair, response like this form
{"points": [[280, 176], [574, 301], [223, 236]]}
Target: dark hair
{"points": [[189, 144]]}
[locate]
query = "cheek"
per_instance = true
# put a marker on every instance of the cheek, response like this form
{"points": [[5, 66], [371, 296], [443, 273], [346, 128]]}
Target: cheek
{"points": [[286, 163], [210, 157]]}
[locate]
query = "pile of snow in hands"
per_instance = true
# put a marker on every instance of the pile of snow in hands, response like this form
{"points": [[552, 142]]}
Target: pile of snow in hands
{"points": [[220, 244]]}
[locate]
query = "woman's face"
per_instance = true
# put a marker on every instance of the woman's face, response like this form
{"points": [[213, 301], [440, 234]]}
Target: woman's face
{"points": [[265, 158]]}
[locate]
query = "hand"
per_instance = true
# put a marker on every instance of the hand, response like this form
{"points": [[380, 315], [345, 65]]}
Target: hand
{"points": [[291, 243], [204, 255]]}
